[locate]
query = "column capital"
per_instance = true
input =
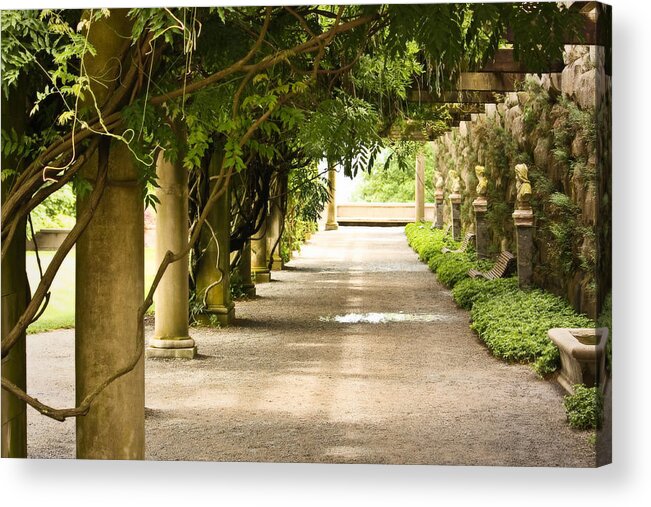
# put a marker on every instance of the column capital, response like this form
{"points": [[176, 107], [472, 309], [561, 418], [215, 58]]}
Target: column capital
{"points": [[455, 198], [480, 205], [523, 217]]}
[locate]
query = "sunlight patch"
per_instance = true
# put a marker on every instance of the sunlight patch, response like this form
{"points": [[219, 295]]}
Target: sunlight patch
{"points": [[382, 318]]}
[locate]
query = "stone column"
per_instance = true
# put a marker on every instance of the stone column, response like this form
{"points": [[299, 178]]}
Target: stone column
{"points": [[455, 202], [259, 259], [14, 301], [331, 224], [440, 203], [420, 187], [171, 331], [481, 227], [110, 279], [15, 294], [274, 229], [244, 270], [109, 291], [213, 272], [523, 219], [240, 184]]}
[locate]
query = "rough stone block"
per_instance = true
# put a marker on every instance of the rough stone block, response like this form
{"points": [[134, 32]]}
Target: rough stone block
{"points": [[523, 97], [511, 99], [579, 149], [514, 122], [586, 89], [542, 152]]}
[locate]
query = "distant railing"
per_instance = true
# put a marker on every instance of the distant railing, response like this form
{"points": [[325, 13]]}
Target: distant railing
{"points": [[380, 213]]}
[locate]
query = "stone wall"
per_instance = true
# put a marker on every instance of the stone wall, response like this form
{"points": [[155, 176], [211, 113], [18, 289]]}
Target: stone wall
{"points": [[559, 125]]}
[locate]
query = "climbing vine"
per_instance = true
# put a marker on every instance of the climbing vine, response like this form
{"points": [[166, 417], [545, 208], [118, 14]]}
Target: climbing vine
{"points": [[280, 72]]}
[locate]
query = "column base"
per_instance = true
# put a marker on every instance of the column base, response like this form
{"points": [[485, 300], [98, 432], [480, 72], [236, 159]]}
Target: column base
{"points": [[277, 264], [224, 315], [261, 276], [171, 348], [331, 226], [249, 290]]}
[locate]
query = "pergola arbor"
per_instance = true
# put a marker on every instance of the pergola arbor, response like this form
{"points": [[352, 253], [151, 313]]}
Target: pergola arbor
{"points": [[146, 91]]}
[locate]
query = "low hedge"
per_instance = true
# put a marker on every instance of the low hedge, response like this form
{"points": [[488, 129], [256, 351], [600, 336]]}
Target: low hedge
{"points": [[514, 326], [427, 242], [467, 291], [450, 268], [512, 322]]}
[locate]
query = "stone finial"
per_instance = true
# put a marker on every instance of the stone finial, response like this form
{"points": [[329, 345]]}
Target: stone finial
{"points": [[480, 171], [455, 181], [523, 187]]}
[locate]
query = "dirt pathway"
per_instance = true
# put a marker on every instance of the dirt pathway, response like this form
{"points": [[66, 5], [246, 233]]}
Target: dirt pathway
{"points": [[355, 353]]}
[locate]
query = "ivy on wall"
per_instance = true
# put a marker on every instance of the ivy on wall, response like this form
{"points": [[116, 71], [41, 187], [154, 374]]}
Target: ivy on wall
{"points": [[558, 141]]}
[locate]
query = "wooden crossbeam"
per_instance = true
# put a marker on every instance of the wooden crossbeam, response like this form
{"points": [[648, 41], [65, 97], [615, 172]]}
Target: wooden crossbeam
{"points": [[504, 61], [460, 97], [489, 82], [415, 130], [461, 107]]}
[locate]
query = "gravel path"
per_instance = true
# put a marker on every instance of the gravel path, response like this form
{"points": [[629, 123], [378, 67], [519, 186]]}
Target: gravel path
{"points": [[353, 354]]}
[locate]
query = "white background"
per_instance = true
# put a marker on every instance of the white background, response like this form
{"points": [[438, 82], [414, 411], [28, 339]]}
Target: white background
{"points": [[626, 482]]}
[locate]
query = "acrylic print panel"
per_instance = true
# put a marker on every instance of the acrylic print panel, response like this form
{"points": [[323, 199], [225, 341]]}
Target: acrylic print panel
{"points": [[175, 185]]}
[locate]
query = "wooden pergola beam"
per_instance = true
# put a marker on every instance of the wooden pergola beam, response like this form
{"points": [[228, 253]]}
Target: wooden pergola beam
{"points": [[489, 82], [446, 97], [504, 61]]}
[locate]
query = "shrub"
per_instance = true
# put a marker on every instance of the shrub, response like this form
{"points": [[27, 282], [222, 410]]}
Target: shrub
{"points": [[514, 326], [451, 268], [584, 408], [467, 291], [427, 242]]}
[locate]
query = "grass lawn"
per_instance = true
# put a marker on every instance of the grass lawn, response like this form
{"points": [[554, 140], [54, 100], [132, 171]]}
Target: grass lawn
{"points": [[60, 312]]}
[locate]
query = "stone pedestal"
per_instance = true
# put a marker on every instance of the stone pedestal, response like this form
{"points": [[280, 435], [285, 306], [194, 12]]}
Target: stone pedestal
{"points": [[480, 206], [331, 224], [440, 203], [171, 332], [455, 202], [213, 273], [259, 259], [109, 291], [523, 219], [420, 187]]}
